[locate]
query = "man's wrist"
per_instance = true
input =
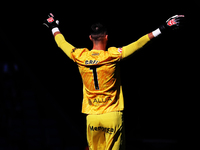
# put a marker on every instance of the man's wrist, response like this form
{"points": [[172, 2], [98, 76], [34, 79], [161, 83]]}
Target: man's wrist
{"points": [[156, 33], [54, 30]]}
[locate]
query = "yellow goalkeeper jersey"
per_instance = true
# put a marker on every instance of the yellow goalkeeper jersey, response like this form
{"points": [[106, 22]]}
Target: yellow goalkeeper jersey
{"points": [[100, 72], [99, 69]]}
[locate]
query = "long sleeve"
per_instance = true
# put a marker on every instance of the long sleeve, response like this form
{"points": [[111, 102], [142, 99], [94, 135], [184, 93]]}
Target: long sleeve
{"points": [[64, 45], [131, 48]]}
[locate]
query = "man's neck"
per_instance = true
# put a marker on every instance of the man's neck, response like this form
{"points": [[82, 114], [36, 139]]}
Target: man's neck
{"points": [[99, 46]]}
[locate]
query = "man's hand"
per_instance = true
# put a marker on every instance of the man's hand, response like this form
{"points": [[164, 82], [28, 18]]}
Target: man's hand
{"points": [[173, 23], [51, 22]]}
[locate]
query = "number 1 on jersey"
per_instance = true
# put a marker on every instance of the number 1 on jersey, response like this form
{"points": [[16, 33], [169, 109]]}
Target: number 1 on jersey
{"points": [[96, 83]]}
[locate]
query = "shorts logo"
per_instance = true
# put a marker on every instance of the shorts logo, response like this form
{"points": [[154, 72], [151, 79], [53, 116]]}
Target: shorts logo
{"points": [[106, 130], [120, 50]]}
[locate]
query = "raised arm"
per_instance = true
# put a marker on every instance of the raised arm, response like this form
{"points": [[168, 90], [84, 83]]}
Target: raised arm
{"points": [[171, 24], [59, 38], [131, 48], [62, 43]]}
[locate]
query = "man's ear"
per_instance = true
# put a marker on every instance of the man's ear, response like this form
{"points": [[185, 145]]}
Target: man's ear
{"points": [[90, 37]]}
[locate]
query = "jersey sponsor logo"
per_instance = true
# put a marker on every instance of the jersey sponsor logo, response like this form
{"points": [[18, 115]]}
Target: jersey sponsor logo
{"points": [[120, 50], [95, 54], [99, 101], [91, 62], [103, 129], [102, 100]]}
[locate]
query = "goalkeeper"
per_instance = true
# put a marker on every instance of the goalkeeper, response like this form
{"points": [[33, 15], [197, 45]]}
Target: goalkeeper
{"points": [[103, 100]]}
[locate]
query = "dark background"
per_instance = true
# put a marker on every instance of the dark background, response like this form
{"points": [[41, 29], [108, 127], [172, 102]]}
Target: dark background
{"points": [[42, 89]]}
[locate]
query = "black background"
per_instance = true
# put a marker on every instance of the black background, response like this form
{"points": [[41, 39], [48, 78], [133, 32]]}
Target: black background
{"points": [[158, 80]]}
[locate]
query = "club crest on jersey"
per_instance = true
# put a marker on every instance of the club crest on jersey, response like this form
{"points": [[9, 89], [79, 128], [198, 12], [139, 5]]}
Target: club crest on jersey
{"points": [[90, 62], [120, 50]]}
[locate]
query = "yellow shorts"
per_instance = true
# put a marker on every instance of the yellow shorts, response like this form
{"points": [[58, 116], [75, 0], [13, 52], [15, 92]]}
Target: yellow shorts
{"points": [[106, 131]]}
